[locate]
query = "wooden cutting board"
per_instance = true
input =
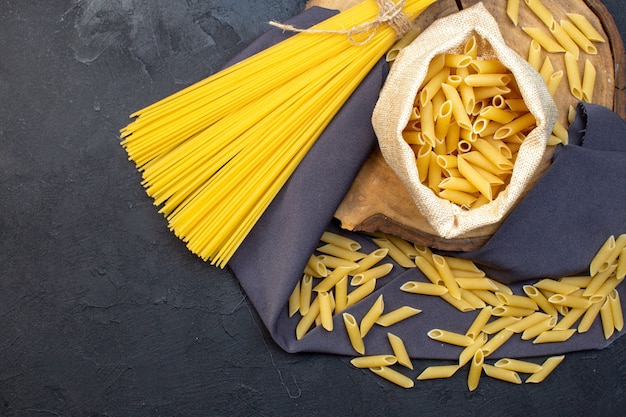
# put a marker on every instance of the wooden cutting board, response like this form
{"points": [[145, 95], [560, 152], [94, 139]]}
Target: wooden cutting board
{"points": [[377, 199]]}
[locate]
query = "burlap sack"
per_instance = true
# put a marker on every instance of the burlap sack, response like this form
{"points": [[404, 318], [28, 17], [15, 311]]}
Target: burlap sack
{"points": [[395, 103]]}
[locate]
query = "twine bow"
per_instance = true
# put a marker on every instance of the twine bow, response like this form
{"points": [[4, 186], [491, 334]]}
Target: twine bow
{"points": [[390, 13]]}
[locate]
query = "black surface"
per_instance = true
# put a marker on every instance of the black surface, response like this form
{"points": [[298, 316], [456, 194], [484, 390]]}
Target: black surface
{"points": [[103, 312]]}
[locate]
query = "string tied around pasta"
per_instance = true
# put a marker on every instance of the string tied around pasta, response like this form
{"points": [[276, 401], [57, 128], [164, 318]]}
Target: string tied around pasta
{"points": [[390, 13]]}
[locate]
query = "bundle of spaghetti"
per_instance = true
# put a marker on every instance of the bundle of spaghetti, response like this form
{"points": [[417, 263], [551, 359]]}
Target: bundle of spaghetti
{"points": [[215, 154]]}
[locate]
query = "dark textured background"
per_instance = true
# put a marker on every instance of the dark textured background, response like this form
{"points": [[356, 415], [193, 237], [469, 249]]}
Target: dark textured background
{"points": [[103, 312]]}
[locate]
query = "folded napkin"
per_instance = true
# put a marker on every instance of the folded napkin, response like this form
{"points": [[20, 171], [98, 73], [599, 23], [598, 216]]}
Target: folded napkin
{"points": [[553, 232]]}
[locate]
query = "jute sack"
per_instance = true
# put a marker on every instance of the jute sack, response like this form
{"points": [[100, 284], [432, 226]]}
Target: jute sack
{"points": [[392, 111]]}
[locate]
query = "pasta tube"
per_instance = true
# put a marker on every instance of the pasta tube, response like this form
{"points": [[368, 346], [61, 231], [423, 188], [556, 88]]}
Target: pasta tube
{"points": [[399, 350], [393, 376], [373, 361], [547, 367], [476, 368], [397, 315]]}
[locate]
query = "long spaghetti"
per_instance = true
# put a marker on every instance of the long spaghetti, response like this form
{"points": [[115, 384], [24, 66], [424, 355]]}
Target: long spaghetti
{"points": [[215, 154]]}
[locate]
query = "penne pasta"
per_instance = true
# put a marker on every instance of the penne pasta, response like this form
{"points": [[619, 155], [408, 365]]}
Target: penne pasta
{"points": [[326, 310], [477, 283], [616, 310], [401, 43], [479, 323], [534, 54], [394, 252], [393, 376], [546, 41], [397, 315], [585, 26], [517, 365], [458, 109], [476, 368], [589, 317], [564, 39], [472, 299], [577, 36], [573, 75], [449, 337], [526, 322], [539, 328], [474, 177], [539, 10], [428, 270], [372, 273], [488, 297], [431, 88], [405, 247], [423, 288], [556, 286], [520, 301], [333, 262], [360, 292], [307, 320], [570, 301], [606, 318], [554, 336], [446, 276], [588, 81], [354, 333], [305, 293], [293, 304], [568, 321], [508, 310], [340, 241], [517, 125], [341, 295], [457, 60], [547, 367], [502, 374], [438, 372], [334, 250], [373, 361], [399, 350], [468, 352], [487, 80], [501, 323], [496, 341], [369, 319], [461, 305], [333, 278], [512, 10]]}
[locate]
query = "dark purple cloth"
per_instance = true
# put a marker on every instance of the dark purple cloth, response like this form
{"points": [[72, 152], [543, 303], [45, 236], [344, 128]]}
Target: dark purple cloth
{"points": [[553, 232]]}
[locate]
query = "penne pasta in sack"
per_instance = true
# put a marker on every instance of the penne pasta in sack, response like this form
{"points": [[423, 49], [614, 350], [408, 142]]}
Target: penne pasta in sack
{"points": [[449, 215]]}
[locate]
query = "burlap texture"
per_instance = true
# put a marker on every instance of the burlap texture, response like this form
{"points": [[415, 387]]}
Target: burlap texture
{"points": [[391, 115]]}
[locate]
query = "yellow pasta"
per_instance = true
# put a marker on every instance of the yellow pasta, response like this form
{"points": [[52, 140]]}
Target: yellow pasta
{"points": [[438, 372], [540, 328], [354, 333], [333, 262], [585, 26], [479, 322], [472, 299], [573, 75], [512, 10], [517, 125], [431, 88], [474, 177], [468, 352], [534, 54], [307, 320], [316, 267], [540, 10], [405, 247], [457, 60], [449, 337], [369, 319], [526, 322], [517, 365], [326, 310], [599, 260], [294, 300], [547, 367], [409, 37], [397, 315], [373, 361], [616, 310], [546, 69], [554, 81], [499, 324], [570, 301], [341, 295], [577, 36], [564, 39], [306, 287], [399, 350], [488, 297], [599, 280], [546, 41], [446, 276], [444, 116], [394, 376], [502, 374], [423, 162], [372, 273], [458, 109], [569, 319], [520, 301], [471, 47], [606, 318], [487, 80], [476, 368], [394, 252], [460, 304], [428, 270], [333, 278], [347, 254], [424, 288], [589, 317], [476, 283], [556, 286], [508, 310], [588, 81], [554, 336], [360, 292], [496, 341]]}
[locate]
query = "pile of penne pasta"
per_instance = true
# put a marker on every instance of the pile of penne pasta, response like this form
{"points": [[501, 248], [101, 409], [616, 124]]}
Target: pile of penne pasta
{"points": [[549, 311], [467, 124], [571, 37]]}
